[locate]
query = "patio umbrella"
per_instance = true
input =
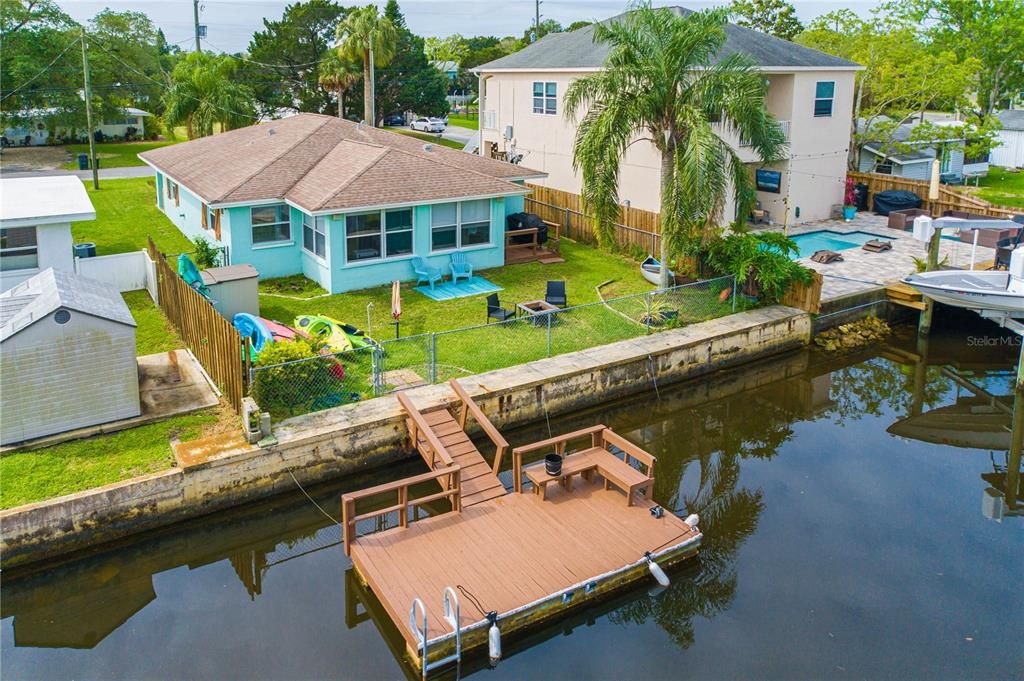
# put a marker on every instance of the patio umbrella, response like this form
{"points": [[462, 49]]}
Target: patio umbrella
{"points": [[396, 304]]}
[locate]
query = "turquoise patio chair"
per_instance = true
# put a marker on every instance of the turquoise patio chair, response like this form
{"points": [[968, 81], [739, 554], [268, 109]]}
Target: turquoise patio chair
{"points": [[426, 273], [461, 268]]}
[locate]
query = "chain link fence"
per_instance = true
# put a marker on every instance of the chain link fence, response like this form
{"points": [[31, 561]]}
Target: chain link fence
{"points": [[326, 381]]}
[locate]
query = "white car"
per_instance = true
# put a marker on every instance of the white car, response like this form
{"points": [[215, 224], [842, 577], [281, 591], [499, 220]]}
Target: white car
{"points": [[428, 125]]}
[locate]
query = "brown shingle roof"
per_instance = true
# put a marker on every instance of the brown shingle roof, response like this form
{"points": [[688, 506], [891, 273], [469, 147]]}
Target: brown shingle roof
{"points": [[325, 163]]}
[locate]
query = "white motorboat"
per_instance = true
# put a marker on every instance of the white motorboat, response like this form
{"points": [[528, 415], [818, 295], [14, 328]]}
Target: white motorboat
{"points": [[1001, 292]]}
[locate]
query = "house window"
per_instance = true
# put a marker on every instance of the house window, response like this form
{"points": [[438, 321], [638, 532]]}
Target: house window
{"points": [[545, 98], [458, 225], [824, 95], [314, 234], [270, 224], [18, 249], [946, 159], [884, 168], [366, 240]]}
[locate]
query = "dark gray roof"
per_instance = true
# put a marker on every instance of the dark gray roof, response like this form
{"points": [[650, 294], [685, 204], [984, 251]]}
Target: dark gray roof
{"points": [[46, 292], [1011, 120], [576, 49]]}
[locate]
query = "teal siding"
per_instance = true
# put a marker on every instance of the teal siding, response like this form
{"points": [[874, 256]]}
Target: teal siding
{"points": [[160, 191], [187, 216], [270, 260]]}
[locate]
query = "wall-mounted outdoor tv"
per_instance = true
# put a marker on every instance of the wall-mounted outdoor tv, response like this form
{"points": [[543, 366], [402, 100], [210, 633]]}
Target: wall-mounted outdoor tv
{"points": [[769, 180]]}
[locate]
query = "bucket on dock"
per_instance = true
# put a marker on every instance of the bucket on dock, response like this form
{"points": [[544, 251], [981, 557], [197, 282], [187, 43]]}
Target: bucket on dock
{"points": [[553, 464]]}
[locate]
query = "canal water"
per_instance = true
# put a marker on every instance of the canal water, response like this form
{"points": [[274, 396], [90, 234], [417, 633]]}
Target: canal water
{"points": [[853, 525]]}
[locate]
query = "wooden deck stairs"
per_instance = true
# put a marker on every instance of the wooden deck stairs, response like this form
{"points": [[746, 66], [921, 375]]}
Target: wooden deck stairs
{"points": [[478, 480], [907, 296]]}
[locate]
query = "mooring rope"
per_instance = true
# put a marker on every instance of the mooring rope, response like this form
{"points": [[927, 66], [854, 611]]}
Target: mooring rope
{"points": [[472, 599], [332, 518]]}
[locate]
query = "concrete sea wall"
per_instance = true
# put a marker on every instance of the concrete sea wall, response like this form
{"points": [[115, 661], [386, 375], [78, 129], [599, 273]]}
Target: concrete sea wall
{"points": [[338, 441]]}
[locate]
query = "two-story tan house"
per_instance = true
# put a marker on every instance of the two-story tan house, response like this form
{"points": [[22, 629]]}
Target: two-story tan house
{"points": [[809, 92]]}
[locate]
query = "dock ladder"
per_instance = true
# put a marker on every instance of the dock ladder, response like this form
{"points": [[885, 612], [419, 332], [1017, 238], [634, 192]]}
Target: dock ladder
{"points": [[451, 615]]}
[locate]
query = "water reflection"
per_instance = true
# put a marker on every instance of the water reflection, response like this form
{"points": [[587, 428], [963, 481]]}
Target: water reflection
{"points": [[721, 446]]}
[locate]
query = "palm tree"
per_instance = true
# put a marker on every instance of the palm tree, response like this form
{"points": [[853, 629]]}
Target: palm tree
{"points": [[203, 94], [367, 36], [337, 75], [663, 82]]}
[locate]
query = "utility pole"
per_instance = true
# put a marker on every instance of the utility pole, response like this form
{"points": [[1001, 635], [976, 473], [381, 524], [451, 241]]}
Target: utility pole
{"points": [[195, 21], [372, 108], [88, 113], [536, 20]]}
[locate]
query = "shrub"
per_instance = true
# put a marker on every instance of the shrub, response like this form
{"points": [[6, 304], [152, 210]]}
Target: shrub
{"points": [[286, 386], [204, 253], [763, 257]]}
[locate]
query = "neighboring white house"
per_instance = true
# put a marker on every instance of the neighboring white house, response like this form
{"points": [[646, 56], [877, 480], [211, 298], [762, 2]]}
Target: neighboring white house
{"points": [[914, 159], [1010, 152], [36, 131], [35, 225], [67, 356], [810, 93]]}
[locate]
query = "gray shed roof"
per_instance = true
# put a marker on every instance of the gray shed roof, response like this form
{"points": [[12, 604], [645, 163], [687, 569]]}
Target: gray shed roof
{"points": [[577, 49], [1011, 120], [50, 290]]}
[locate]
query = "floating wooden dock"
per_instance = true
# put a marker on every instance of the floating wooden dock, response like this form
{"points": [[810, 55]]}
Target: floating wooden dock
{"points": [[526, 557]]}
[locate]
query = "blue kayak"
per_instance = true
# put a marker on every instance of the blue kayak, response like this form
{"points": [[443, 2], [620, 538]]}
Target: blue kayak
{"points": [[188, 271]]}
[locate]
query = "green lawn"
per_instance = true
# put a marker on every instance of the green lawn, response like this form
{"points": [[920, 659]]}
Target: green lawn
{"points": [[153, 332], [1002, 187], [83, 464], [126, 213], [113, 154], [464, 120], [434, 139]]}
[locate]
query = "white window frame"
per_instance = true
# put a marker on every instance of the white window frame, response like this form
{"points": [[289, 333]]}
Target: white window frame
{"points": [[831, 100], [17, 250], [315, 225], [287, 221], [549, 102], [382, 234], [458, 224]]}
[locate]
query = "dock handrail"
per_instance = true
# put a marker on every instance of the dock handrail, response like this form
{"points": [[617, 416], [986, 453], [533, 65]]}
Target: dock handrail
{"points": [[437, 449], [630, 450], [469, 407], [451, 489], [558, 442]]}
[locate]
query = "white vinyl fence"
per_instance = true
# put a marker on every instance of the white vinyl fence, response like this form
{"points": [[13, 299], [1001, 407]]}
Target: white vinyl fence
{"points": [[127, 271]]}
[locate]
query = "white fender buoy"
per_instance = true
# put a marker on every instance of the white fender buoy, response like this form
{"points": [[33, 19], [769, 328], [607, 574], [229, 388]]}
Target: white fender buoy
{"points": [[692, 520], [656, 570], [494, 639]]}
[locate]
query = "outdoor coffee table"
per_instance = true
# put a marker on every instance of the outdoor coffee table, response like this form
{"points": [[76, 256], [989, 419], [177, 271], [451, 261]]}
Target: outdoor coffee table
{"points": [[537, 310]]}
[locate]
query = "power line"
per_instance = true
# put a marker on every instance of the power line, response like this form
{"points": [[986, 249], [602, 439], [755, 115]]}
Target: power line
{"points": [[45, 69]]}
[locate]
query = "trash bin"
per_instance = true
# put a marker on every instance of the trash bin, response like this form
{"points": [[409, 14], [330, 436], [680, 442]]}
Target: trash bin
{"points": [[85, 250], [83, 161]]}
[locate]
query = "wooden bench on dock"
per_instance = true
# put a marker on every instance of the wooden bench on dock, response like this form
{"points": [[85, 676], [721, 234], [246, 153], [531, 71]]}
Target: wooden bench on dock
{"points": [[616, 471]]}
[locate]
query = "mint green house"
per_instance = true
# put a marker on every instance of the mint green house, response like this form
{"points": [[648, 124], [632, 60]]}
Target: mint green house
{"points": [[346, 205]]}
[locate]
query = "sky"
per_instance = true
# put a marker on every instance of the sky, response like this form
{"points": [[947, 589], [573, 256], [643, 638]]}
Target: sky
{"points": [[230, 23]]}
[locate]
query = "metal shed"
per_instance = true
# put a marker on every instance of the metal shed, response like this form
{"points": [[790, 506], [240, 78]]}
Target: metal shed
{"points": [[67, 356]]}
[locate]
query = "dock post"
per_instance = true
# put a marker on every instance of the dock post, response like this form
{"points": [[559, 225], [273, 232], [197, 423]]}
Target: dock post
{"points": [[1016, 435], [925, 324]]}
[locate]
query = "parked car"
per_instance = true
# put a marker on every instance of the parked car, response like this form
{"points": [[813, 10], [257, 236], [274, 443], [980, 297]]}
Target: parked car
{"points": [[428, 125], [394, 120]]}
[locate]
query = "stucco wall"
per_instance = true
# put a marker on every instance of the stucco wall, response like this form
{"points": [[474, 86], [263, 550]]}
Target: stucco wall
{"points": [[58, 377], [355, 437], [54, 247], [813, 175]]}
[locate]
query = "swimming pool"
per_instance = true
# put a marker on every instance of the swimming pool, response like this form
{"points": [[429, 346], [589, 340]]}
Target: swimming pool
{"points": [[828, 240]]}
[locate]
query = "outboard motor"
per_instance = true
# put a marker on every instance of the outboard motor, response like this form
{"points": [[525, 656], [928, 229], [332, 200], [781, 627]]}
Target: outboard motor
{"points": [[1016, 283]]}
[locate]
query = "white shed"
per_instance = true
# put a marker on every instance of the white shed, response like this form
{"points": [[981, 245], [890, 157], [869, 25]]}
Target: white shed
{"points": [[1009, 150], [67, 356]]}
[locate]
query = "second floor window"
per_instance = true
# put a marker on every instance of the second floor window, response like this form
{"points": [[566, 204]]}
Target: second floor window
{"points": [[270, 224], [824, 95], [545, 98]]}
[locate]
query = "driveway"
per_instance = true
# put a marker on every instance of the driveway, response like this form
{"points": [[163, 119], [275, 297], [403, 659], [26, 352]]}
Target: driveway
{"points": [[105, 173], [43, 161]]}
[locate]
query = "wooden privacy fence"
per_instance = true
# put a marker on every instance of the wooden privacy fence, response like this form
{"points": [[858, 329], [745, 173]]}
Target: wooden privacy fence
{"points": [[807, 297], [637, 229], [210, 337], [950, 198]]}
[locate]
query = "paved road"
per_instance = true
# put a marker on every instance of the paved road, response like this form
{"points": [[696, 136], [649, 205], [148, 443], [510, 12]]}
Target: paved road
{"points": [[105, 173]]}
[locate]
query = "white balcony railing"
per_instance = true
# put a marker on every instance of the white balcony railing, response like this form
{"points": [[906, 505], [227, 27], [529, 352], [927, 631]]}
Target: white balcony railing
{"points": [[782, 124], [490, 120]]}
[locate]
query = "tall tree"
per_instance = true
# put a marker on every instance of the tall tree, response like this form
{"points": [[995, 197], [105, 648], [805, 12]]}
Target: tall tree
{"points": [[288, 51], [452, 48], [372, 38], [205, 93], [664, 81], [774, 17], [409, 82], [338, 75]]}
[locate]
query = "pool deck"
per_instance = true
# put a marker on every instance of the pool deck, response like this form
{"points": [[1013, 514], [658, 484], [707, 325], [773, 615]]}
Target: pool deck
{"points": [[862, 271]]}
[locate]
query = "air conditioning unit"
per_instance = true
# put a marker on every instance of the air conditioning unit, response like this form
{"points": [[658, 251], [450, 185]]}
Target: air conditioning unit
{"points": [[508, 133]]}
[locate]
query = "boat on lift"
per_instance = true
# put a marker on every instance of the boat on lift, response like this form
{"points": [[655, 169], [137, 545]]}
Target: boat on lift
{"points": [[988, 291]]}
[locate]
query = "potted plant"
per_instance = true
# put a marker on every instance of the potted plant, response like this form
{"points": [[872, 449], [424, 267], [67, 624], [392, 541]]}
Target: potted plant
{"points": [[658, 313], [849, 201]]}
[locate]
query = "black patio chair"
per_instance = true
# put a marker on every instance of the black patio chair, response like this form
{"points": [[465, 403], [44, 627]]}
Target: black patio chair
{"points": [[556, 294], [496, 311]]}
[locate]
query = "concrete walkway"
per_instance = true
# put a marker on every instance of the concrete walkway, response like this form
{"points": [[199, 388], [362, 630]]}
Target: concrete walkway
{"points": [[86, 175]]}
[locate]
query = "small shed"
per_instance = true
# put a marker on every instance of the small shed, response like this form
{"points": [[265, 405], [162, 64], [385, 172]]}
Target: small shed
{"points": [[67, 356], [234, 289]]}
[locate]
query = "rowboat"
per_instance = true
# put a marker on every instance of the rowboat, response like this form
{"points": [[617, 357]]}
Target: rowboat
{"points": [[650, 268]]}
